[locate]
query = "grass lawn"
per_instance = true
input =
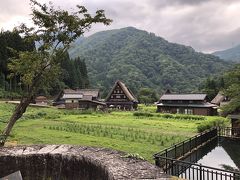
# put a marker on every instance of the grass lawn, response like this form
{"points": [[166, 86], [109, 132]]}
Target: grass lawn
{"points": [[118, 130]]}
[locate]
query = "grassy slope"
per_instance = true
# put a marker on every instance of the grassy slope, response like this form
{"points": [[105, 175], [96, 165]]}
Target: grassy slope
{"points": [[117, 130]]}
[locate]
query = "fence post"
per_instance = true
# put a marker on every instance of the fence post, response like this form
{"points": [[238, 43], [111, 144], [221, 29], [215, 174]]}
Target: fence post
{"points": [[175, 149], [157, 161], [166, 159], [190, 144], [200, 171], [183, 148]]}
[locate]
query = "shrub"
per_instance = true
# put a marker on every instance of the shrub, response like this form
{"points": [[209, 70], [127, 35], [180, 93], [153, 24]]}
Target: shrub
{"points": [[144, 114], [220, 122], [189, 117], [167, 116], [41, 114]]}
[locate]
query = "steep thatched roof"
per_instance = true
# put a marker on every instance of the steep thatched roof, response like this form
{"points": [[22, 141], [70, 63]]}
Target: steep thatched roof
{"points": [[218, 99], [125, 89]]}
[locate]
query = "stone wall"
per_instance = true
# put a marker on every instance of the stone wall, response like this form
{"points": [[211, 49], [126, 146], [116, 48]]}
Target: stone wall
{"points": [[74, 162]]}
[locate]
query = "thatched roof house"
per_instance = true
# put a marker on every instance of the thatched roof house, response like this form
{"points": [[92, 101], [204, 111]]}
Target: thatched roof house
{"points": [[121, 97], [220, 99]]}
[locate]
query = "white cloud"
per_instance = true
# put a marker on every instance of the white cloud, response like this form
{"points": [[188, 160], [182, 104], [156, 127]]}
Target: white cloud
{"points": [[206, 25]]}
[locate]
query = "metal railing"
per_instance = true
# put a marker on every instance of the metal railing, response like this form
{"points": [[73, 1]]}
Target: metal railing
{"points": [[185, 147], [229, 132], [169, 159], [187, 170]]}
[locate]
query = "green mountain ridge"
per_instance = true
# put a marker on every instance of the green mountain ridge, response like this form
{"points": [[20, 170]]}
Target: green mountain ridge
{"points": [[142, 59], [231, 54]]}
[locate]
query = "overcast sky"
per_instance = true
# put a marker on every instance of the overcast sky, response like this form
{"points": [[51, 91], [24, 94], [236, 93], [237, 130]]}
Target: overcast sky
{"points": [[206, 25]]}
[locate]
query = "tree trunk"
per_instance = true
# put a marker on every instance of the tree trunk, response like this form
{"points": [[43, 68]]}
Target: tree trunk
{"points": [[18, 112]]}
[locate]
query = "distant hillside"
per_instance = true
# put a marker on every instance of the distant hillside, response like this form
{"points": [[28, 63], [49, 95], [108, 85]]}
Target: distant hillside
{"points": [[141, 59], [232, 54]]}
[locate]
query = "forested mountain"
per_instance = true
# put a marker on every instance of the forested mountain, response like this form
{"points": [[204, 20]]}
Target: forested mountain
{"points": [[141, 59], [232, 54]]}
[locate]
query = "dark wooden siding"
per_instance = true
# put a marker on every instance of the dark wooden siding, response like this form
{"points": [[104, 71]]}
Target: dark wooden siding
{"points": [[187, 110]]}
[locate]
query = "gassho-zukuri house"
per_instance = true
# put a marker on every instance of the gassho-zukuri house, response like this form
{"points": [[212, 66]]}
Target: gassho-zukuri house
{"points": [[195, 104], [121, 97], [79, 99]]}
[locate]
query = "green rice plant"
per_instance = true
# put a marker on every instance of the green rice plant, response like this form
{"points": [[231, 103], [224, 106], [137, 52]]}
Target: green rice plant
{"points": [[143, 114]]}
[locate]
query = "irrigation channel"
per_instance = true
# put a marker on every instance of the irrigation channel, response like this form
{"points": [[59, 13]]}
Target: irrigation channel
{"points": [[211, 155]]}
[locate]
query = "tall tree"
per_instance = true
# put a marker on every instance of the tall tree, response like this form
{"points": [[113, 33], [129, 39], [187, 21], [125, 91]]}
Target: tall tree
{"points": [[232, 87], [54, 29], [147, 96]]}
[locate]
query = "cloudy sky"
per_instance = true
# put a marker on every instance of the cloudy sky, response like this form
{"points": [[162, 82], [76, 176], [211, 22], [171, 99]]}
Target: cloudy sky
{"points": [[206, 25]]}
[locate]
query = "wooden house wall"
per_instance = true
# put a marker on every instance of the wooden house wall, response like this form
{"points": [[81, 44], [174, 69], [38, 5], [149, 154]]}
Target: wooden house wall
{"points": [[182, 110], [87, 105], [235, 123], [118, 99], [118, 95], [72, 105]]}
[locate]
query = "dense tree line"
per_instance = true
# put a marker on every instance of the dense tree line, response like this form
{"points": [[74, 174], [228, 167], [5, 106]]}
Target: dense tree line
{"points": [[141, 59], [11, 43], [147, 96], [228, 85], [73, 71], [212, 85], [231, 89]]}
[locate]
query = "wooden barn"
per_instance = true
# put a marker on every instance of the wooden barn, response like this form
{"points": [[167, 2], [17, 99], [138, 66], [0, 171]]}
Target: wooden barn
{"points": [[121, 97], [79, 99], [195, 104]]}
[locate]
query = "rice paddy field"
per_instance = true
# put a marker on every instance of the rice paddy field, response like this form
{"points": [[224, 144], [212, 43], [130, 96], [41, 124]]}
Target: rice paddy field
{"points": [[143, 132]]}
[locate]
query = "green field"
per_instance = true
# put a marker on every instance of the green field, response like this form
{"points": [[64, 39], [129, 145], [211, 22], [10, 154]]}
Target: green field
{"points": [[118, 130]]}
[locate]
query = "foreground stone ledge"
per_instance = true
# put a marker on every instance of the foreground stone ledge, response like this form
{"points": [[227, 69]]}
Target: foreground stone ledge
{"points": [[74, 162]]}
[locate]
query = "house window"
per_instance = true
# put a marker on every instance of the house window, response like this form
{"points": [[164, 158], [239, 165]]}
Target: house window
{"points": [[188, 111], [112, 97], [178, 111], [72, 101], [118, 96]]}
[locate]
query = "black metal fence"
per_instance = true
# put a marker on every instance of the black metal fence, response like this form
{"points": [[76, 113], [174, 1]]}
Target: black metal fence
{"points": [[169, 159], [187, 170], [187, 146]]}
